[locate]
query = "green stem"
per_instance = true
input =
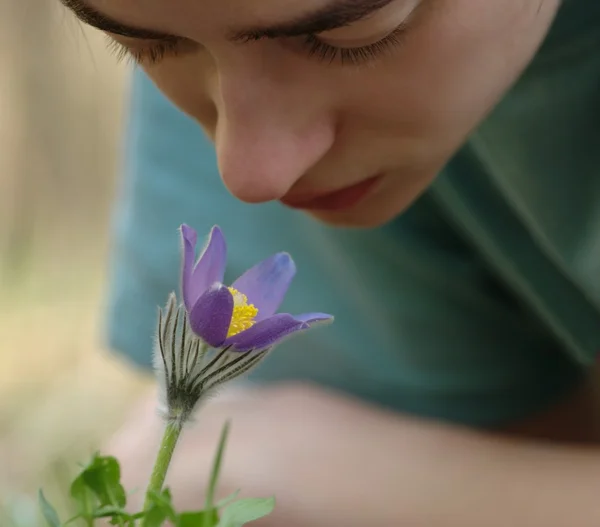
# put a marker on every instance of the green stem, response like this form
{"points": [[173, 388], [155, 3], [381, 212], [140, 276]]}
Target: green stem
{"points": [[163, 459]]}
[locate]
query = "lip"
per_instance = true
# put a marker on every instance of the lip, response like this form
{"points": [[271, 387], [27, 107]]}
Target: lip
{"points": [[337, 200]]}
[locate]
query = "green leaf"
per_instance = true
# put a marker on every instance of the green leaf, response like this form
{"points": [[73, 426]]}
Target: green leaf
{"points": [[161, 509], [48, 511], [84, 497], [216, 468], [227, 500], [246, 510], [103, 477], [72, 519], [109, 511], [155, 517], [198, 519]]}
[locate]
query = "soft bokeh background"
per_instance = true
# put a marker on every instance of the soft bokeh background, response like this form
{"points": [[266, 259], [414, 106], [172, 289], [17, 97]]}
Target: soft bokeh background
{"points": [[62, 102]]}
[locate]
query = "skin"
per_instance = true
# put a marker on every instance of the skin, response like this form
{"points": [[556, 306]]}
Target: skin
{"points": [[331, 460], [402, 115], [287, 126]]}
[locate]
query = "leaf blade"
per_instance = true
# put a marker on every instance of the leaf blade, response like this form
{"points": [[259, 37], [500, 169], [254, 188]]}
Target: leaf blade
{"points": [[48, 511], [246, 510]]}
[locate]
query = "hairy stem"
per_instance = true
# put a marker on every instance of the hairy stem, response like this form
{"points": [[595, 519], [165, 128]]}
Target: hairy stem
{"points": [[163, 460]]}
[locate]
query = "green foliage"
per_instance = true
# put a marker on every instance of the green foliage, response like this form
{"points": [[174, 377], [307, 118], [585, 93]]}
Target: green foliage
{"points": [[245, 511], [161, 509], [198, 519], [216, 468], [98, 493], [48, 511]]}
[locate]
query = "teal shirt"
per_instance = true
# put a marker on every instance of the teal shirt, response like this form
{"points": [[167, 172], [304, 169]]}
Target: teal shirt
{"points": [[480, 304]]}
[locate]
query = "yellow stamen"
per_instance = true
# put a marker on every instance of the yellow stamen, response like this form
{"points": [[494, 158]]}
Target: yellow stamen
{"points": [[243, 313]]}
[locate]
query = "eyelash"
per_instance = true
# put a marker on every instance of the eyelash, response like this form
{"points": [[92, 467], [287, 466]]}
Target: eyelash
{"points": [[152, 55], [324, 52], [315, 48]]}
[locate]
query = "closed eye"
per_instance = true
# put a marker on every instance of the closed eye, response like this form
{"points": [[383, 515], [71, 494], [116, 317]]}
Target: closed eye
{"points": [[154, 52], [355, 56]]}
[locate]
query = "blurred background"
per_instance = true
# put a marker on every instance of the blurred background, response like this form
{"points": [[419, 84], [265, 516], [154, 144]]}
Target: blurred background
{"points": [[62, 99]]}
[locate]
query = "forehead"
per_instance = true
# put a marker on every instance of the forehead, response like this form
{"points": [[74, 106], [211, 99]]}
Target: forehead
{"points": [[207, 16]]}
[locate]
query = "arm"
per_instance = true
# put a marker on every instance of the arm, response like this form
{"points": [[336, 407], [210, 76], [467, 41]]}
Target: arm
{"points": [[334, 461], [464, 478], [496, 482], [412, 472]]}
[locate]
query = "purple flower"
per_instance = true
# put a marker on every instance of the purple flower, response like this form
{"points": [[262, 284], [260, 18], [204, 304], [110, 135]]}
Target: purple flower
{"points": [[198, 343], [241, 317]]}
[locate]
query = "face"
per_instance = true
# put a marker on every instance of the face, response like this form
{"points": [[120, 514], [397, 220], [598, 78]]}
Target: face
{"points": [[346, 109]]}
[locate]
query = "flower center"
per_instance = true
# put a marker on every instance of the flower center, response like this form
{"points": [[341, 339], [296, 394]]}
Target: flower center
{"points": [[243, 313]]}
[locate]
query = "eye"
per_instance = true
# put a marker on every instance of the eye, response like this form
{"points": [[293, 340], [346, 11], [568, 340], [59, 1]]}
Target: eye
{"points": [[323, 51], [367, 39], [154, 52]]}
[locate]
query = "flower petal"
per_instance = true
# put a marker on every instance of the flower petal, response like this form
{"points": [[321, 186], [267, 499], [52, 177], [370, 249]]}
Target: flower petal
{"points": [[210, 267], [266, 283], [314, 318], [266, 333], [211, 316]]}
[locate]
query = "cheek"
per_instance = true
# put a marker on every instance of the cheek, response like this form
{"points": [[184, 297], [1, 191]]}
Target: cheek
{"points": [[476, 60], [459, 58]]}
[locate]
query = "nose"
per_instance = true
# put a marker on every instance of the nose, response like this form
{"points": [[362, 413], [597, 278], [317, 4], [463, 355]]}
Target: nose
{"points": [[269, 133]]}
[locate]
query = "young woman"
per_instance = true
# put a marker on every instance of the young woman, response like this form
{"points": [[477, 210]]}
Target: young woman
{"points": [[460, 139]]}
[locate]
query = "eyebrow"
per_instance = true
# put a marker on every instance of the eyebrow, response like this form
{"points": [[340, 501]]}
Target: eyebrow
{"points": [[337, 14], [100, 21]]}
